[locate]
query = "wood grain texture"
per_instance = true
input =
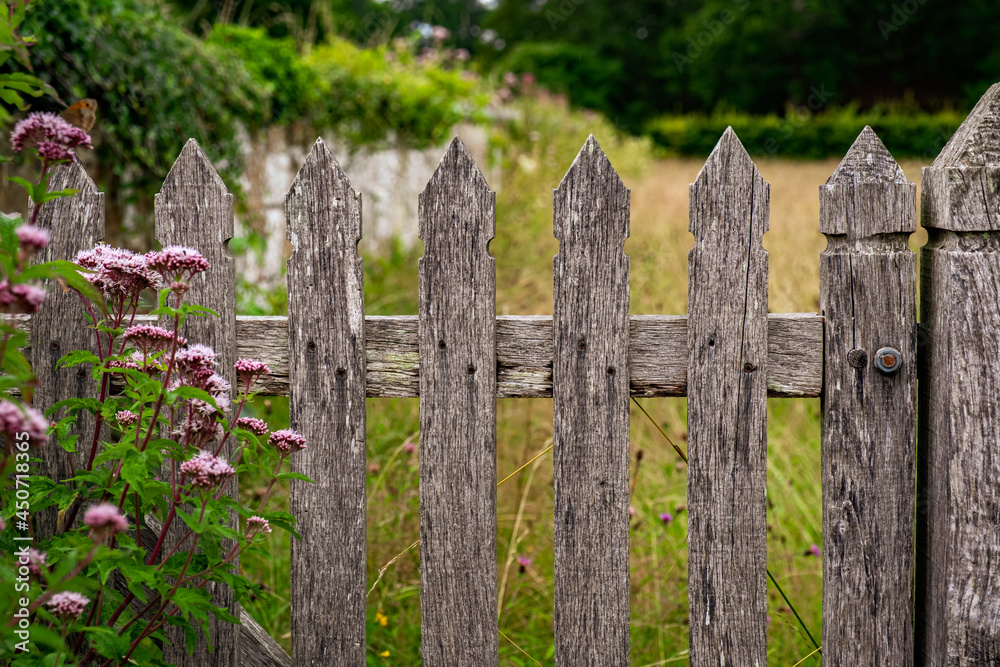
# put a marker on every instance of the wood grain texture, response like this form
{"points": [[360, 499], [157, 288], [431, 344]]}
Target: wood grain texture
{"points": [[591, 413], [727, 410], [868, 296], [194, 209], [658, 355], [326, 333], [962, 184], [457, 341], [76, 223], [958, 493]]}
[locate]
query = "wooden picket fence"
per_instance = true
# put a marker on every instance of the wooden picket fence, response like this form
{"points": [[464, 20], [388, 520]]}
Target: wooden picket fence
{"points": [[911, 557]]}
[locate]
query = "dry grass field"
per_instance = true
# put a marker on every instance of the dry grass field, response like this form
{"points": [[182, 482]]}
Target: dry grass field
{"points": [[536, 155]]}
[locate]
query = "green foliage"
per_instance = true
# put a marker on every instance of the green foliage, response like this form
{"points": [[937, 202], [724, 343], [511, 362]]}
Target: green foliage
{"points": [[14, 85], [287, 82], [375, 94], [568, 69], [687, 56], [828, 134], [155, 84]]}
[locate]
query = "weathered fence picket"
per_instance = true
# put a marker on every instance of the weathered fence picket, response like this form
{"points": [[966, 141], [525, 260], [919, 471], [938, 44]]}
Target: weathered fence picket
{"points": [[958, 544], [195, 209], [590, 356], [868, 297], [590, 394], [727, 410], [75, 224], [326, 333], [457, 336]]}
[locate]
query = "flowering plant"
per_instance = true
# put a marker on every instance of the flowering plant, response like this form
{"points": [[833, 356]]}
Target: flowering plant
{"points": [[153, 458]]}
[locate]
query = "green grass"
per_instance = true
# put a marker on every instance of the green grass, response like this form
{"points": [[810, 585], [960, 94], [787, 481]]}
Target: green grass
{"points": [[536, 152]]}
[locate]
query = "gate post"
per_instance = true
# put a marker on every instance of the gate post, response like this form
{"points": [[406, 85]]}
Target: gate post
{"points": [[958, 477]]}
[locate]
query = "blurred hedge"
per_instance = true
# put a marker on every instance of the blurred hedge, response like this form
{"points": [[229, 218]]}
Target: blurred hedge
{"points": [[802, 135], [158, 85]]}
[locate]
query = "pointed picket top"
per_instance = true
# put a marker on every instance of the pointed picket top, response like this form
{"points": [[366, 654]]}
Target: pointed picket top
{"points": [[195, 186], [320, 188], [192, 167], [868, 194], [976, 143], [588, 185], [76, 222], [729, 176], [456, 179], [73, 175], [868, 161]]}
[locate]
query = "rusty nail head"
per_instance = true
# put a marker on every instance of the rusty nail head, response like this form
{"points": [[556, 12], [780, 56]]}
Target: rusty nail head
{"points": [[888, 360], [857, 358]]}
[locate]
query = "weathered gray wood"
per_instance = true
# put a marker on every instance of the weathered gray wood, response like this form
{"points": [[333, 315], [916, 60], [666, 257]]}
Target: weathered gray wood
{"points": [[326, 334], [868, 294], [958, 477], [591, 413], [76, 223], [727, 410], [457, 337], [657, 354], [194, 209]]}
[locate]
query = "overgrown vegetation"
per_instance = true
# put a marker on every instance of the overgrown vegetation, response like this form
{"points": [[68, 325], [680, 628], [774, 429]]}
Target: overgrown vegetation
{"points": [[158, 85]]}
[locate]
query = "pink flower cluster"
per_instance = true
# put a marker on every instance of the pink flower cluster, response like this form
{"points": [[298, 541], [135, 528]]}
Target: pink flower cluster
{"points": [[32, 238], [20, 297], [256, 524], [207, 470], [287, 441], [126, 417], [67, 605], [151, 339], [105, 519], [36, 562], [249, 371], [255, 426], [50, 134], [177, 263], [196, 363], [117, 273], [16, 419]]}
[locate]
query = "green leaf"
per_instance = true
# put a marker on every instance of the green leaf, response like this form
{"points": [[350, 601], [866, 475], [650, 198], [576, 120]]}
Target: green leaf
{"points": [[8, 239], [107, 642], [294, 475], [77, 357]]}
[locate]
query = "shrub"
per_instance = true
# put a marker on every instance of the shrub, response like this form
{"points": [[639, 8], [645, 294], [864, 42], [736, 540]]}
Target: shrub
{"points": [[828, 134]]}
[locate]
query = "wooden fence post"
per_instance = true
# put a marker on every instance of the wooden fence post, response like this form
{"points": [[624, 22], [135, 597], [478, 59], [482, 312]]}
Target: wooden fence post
{"points": [[457, 339], [868, 296], [326, 356], [590, 391], [958, 477], [76, 223], [195, 209], [727, 410]]}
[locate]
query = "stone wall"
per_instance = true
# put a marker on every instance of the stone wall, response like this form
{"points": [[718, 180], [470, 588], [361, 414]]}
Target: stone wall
{"points": [[389, 181]]}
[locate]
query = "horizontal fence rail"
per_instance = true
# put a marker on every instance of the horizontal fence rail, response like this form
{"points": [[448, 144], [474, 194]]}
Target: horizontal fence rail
{"points": [[862, 355], [524, 352]]}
